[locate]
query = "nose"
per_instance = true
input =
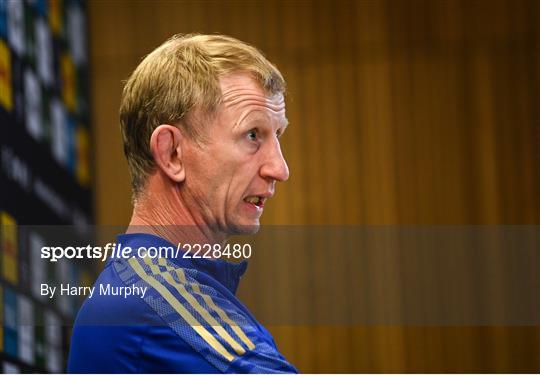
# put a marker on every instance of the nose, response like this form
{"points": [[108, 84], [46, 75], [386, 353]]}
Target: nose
{"points": [[274, 165]]}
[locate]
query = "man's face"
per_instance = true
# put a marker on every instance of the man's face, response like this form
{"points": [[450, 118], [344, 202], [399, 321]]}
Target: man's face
{"points": [[232, 174]]}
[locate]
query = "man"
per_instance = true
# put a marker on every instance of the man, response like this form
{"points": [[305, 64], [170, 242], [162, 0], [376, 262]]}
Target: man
{"points": [[201, 118]]}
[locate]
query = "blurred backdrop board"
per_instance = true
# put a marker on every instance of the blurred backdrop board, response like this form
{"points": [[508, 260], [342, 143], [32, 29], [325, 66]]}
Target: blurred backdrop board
{"points": [[45, 172]]}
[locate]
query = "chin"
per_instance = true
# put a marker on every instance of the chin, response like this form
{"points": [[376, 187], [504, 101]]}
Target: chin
{"points": [[241, 229]]}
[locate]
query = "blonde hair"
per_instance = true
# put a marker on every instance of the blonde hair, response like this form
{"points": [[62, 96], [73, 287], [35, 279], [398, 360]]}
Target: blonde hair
{"points": [[177, 78]]}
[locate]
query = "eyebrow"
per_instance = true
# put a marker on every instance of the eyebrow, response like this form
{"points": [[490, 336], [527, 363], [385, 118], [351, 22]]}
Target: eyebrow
{"points": [[284, 123]]}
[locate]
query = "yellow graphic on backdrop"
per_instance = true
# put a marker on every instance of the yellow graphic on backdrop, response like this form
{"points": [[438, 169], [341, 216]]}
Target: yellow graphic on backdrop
{"points": [[55, 16], [6, 97], [83, 156], [68, 82], [9, 247]]}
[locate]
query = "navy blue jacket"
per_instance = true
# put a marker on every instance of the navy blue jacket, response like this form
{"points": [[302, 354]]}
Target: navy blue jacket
{"points": [[189, 320]]}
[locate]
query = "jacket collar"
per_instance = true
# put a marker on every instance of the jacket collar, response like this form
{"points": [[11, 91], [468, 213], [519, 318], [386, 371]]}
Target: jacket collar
{"points": [[226, 273]]}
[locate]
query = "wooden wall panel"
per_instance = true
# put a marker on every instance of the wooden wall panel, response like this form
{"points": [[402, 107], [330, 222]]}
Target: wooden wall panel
{"points": [[416, 112]]}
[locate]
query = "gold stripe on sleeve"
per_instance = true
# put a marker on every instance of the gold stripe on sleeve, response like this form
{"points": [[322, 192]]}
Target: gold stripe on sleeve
{"points": [[184, 313], [201, 310], [163, 263], [223, 315]]}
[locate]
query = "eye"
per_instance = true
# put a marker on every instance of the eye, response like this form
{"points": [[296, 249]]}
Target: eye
{"points": [[252, 135]]}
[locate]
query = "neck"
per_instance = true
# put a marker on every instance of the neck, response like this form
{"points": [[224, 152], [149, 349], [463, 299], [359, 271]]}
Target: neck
{"points": [[160, 210]]}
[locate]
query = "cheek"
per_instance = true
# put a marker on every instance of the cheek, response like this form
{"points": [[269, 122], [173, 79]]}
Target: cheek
{"points": [[199, 173], [209, 175], [244, 181], [221, 173]]}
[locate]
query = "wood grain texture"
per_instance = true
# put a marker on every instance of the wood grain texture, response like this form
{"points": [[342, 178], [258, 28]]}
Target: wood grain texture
{"points": [[416, 112]]}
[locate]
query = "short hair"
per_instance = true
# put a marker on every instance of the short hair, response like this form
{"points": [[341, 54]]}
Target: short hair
{"points": [[180, 77]]}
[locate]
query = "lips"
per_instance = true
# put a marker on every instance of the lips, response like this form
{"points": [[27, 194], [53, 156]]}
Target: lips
{"points": [[255, 199], [258, 199]]}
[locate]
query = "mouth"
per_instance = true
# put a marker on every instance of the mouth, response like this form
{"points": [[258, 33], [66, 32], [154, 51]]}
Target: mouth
{"points": [[256, 200]]}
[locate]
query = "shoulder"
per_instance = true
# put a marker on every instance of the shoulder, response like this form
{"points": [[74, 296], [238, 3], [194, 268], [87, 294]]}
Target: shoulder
{"points": [[119, 333], [183, 323], [207, 317]]}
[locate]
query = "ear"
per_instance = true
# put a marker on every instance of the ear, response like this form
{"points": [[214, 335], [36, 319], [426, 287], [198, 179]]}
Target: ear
{"points": [[165, 146]]}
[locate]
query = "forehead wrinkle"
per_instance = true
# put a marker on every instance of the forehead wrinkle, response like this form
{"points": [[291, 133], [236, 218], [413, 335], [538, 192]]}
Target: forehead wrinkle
{"points": [[237, 94], [275, 102], [284, 121], [241, 104], [231, 92], [239, 97]]}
